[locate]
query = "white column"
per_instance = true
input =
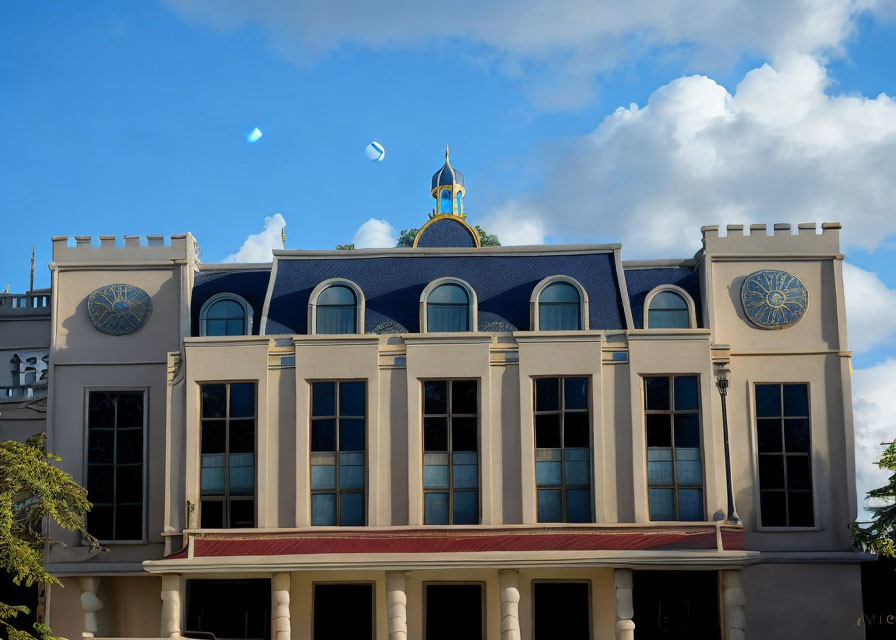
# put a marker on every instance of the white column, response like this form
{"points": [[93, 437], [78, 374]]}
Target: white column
{"points": [[509, 585], [397, 605], [170, 606], [625, 627], [282, 629], [734, 599], [90, 603]]}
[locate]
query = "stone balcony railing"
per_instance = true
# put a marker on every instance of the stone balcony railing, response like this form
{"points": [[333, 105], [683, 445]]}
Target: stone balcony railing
{"points": [[36, 302]]}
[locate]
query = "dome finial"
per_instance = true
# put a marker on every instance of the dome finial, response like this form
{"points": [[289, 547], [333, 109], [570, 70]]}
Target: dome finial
{"points": [[446, 152]]}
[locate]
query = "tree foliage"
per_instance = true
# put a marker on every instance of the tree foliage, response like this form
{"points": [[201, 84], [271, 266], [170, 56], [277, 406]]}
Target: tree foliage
{"points": [[486, 239], [406, 237], [879, 535], [33, 489], [345, 247]]}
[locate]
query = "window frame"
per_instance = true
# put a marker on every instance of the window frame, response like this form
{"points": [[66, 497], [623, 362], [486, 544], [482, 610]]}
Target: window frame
{"points": [[586, 581], [225, 497], [757, 490], [360, 306], [483, 607], [336, 418], [348, 583], [672, 413], [535, 303], [145, 427], [561, 411], [473, 304], [671, 288], [449, 416], [248, 313]]}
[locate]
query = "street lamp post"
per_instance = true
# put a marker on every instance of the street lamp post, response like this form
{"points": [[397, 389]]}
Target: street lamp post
{"points": [[722, 386]]}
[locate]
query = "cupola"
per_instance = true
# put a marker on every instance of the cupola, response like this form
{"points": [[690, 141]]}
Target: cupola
{"points": [[448, 190]]}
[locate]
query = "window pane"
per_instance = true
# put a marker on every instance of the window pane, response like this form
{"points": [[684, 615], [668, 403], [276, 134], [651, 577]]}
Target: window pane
{"points": [[242, 514], [129, 484], [668, 319], [435, 508], [336, 295], [656, 393], [668, 300], [102, 410], [662, 504], [323, 399], [323, 509], [798, 475], [768, 432], [129, 522], [687, 430], [774, 512], [548, 473], [234, 327], [466, 507], [435, 471], [445, 201], [242, 436], [690, 504], [768, 400], [351, 470], [323, 435], [101, 445], [559, 317], [129, 410], [212, 514], [466, 470], [351, 510], [547, 431], [547, 394], [323, 476], [463, 434], [576, 430], [351, 434], [659, 432], [578, 505], [100, 479], [575, 393], [796, 400], [550, 507], [242, 474], [449, 294], [688, 467], [99, 522], [559, 292], [435, 397], [659, 466], [213, 400], [335, 320], [578, 467], [463, 396], [447, 318], [435, 434], [686, 393], [242, 399], [215, 327], [771, 472], [352, 398], [225, 309], [796, 435], [211, 477], [213, 436], [800, 504]]}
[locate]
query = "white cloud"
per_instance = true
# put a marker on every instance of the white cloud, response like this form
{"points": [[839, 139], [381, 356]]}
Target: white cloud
{"points": [[374, 234], [258, 246], [568, 38], [515, 226], [874, 405], [780, 149], [868, 304]]}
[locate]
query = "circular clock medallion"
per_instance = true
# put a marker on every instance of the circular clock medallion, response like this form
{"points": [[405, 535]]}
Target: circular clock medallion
{"points": [[774, 299], [119, 309]]}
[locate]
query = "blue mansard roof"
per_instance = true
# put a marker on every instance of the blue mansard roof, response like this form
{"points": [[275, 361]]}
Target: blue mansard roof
{"points": [[642, 280], [251, 284], [392, 281]]}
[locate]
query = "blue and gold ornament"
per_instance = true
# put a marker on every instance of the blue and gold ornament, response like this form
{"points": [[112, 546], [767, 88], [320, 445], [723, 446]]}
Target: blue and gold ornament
{"points": [[119, 309], [774, 299]]}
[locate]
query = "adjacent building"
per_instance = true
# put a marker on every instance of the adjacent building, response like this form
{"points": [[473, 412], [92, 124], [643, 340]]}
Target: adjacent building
{"points": [[456, 441]]}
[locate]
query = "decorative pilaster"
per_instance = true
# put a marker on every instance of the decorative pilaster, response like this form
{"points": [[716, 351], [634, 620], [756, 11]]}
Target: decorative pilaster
{"points": [[90, 603], [509, 585], [397, 605], [282, 629], [734, 599], [625, 627], [171, 606]]}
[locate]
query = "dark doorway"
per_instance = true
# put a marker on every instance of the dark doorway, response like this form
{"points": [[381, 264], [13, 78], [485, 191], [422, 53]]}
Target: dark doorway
{"points": [[562, 610], [230, 608], [343, 612], [676, 605], [878, 603], [454, 611]]}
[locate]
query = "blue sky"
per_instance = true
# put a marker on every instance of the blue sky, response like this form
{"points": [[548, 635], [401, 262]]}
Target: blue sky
{"points": [[131, 118]]}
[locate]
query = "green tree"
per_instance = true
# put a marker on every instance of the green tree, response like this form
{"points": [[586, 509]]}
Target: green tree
{"points": [[879, 535], [32, 490], [406, 237], [345, 247]]}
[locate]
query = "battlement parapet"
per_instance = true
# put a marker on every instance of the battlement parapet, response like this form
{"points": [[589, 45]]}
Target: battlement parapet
{"points": [[127, 249], [782, 239]]}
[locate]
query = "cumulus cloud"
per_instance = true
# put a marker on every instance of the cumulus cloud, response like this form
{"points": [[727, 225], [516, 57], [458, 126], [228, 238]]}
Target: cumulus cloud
{"points": [[874, 405], [779, 149], [514, 225], [868, 300], [258, 246], [571, 37], [375, 234]]}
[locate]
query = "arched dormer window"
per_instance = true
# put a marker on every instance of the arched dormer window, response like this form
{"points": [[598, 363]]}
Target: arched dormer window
{"points": [[669, 307], [448, 305], [336, 306], [559, 303], [225, 314]]}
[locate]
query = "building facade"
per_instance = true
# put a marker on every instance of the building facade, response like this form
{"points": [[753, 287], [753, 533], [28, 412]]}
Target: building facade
{"points": [[456, 441]]}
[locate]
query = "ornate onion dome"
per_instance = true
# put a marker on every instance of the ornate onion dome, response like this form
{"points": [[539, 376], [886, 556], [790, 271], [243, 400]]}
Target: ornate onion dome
{"points": [[448, 189]]}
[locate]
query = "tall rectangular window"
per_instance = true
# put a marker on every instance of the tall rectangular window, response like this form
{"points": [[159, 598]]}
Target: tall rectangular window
{"points": [[451, 452], [785, 474], [563, 449], [115, 464], [227, 446], [338, 452], [674, 464]]}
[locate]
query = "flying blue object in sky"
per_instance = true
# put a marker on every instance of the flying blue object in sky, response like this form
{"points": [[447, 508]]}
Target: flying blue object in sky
{"points": [[375, 151], [255, 136]]}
